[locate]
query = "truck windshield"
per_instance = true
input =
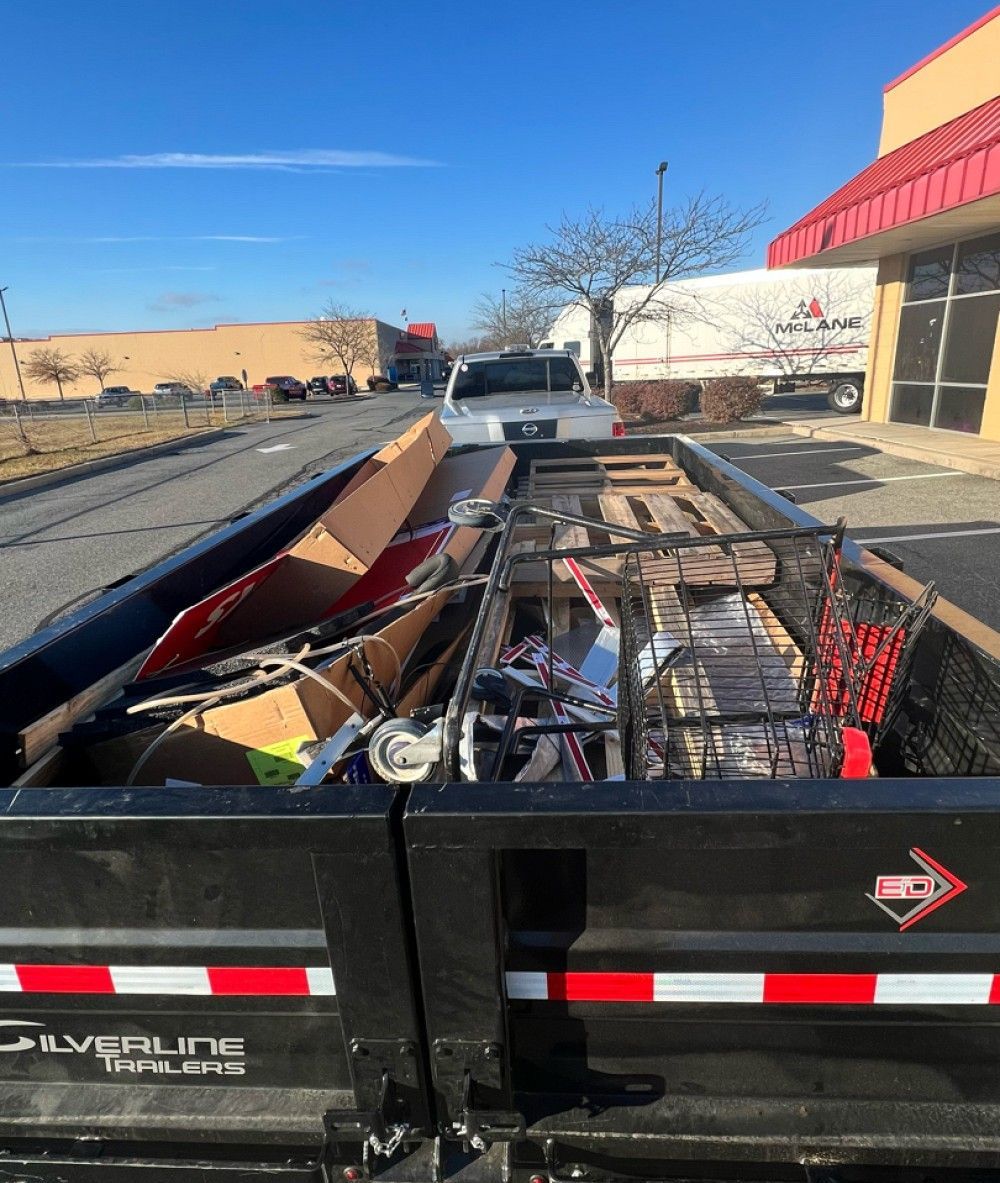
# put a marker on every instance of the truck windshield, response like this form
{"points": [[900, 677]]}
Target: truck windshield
{"points": [[515, 375]]}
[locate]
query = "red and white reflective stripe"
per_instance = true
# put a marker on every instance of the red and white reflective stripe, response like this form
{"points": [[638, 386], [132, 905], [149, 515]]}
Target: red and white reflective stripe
{"points": [[260, 980], [825, 989], [591, 596]]}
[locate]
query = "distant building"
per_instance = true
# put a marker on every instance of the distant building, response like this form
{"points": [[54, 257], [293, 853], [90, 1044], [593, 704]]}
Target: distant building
{"points": [[261, 349], [417, 354]]}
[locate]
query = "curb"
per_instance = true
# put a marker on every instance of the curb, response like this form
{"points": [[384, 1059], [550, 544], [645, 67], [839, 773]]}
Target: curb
{"points": [[57, 476], [968, 464], [749, 433]]}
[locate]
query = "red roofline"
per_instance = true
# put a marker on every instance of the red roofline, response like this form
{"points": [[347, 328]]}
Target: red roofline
{"points": [[983, 20]]}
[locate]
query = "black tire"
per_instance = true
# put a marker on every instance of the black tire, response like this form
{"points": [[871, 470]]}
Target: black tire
{"points": [[845, 397]]}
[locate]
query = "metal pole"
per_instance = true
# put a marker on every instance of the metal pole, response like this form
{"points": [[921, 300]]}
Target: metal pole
{"points": [[90, 419], [503, 299], [145, 413], [13, 351], [659, 214], [184, 408]]}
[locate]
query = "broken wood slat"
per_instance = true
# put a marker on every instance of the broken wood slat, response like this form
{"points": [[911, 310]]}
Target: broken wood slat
{"points": [[668, 515], [38, 737], [757, 561]]}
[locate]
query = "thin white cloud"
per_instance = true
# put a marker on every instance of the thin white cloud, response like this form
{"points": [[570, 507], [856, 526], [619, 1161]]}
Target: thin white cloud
{"points": [[146, 270], [306, 159], [170, 301], [113, 238]]}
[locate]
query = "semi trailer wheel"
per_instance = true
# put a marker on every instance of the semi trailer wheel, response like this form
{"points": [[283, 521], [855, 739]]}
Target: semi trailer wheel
{"points": [[845, 397]]}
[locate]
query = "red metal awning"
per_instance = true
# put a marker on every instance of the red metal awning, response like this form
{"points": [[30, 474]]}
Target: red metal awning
{"points": [[951, 166], [423, 329]]}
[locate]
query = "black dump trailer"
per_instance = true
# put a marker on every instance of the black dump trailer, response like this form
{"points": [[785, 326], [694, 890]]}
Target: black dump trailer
{"points": [[622, 980]]}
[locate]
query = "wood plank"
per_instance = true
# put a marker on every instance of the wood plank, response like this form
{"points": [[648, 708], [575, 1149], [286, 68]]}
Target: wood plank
{"points": [[669, 516], [757, 561], [42, 773], [569, 537], [38, 737], [616, 509], [780, 637]]}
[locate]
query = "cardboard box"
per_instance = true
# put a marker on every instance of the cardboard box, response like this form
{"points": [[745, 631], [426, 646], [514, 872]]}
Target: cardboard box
{"points": [[296, 587], [240, 742]]}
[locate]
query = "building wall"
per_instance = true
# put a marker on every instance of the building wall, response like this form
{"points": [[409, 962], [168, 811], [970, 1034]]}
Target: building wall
{"points": [[889, 287], [964, 74], [261, 349]]}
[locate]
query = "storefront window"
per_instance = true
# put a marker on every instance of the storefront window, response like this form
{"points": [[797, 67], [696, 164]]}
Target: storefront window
{"points": [[947, 333], [929, 274], [919, 341]]}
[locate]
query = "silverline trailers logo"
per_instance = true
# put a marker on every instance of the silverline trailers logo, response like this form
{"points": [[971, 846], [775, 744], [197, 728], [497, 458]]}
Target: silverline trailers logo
{"points": [[184, 1055], [808, 317]]}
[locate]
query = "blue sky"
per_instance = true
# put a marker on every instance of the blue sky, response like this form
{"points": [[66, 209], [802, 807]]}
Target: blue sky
{"points": [[175, 165]]}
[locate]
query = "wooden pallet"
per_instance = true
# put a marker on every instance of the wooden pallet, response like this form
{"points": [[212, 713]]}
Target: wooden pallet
{"points": [[590, 474], [685, 512]]}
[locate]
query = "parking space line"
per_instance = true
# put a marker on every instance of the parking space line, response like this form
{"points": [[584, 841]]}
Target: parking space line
{"points": [[875, 480], [926, 535], [792, 455]]}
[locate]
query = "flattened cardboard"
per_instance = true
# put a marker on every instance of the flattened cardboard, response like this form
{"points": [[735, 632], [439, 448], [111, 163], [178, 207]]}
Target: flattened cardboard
{"points": [[296, 586], [212, 747]]}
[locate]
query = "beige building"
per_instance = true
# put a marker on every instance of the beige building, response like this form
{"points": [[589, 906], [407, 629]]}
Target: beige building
{"points": [[927, 211], [145, 358]]}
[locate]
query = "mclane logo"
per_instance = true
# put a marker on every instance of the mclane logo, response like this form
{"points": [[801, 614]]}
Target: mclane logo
{"points": [[909, 898], [808, 317], [181, 1056]]}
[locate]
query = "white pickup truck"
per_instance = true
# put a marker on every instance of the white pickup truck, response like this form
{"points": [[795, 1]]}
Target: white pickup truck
{"points": [[524, 394]]}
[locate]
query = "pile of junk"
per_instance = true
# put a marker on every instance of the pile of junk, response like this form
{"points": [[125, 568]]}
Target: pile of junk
{"points": [[449, 618]]}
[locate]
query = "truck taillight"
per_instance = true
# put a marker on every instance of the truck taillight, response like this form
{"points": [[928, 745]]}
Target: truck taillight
{"points": [[617, 428]]}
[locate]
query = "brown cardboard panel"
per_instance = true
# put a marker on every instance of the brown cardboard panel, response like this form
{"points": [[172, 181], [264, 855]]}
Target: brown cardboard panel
{"points": [[340, 547], [212, 748]]}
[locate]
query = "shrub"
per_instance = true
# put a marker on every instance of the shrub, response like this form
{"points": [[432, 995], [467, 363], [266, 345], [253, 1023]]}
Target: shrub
{"points": [[724, 400], [656, 399], [134, 403], [278, 394]]}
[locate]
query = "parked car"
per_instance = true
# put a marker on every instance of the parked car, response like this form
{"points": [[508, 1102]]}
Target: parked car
{"points": [[318, 385], [172, 389], [524, 394], [342, 384], [115, 396], [226, 383], [292, 387]]}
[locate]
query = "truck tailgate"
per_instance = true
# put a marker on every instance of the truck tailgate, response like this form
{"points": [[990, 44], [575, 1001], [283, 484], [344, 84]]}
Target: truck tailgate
{"points": [[202, 967], [678, 971]]}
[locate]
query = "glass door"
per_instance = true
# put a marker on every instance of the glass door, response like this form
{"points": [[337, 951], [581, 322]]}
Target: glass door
{"points": [[947, 334]]}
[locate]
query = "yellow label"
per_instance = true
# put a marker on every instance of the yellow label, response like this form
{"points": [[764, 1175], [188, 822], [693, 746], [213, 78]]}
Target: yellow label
{"points": [[277, 763]]}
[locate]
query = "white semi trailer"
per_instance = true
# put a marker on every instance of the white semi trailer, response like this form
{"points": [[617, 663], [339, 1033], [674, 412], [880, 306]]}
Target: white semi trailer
{"points": [[787, 328]]}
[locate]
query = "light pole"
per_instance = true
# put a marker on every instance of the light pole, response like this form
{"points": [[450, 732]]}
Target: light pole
{"points": [[659, 214], [503, 305], [13, 351]]}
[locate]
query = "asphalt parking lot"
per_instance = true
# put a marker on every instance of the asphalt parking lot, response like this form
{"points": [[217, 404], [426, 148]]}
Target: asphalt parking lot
{"points": [[944, 525], [62, 545]]}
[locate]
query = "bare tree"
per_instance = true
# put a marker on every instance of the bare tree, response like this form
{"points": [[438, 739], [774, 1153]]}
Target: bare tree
{"points": [[796, 336], [51, 365], [470, 345], [521, 319], [342, 334], [97, 364], [587, 261], [195, 380]]}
